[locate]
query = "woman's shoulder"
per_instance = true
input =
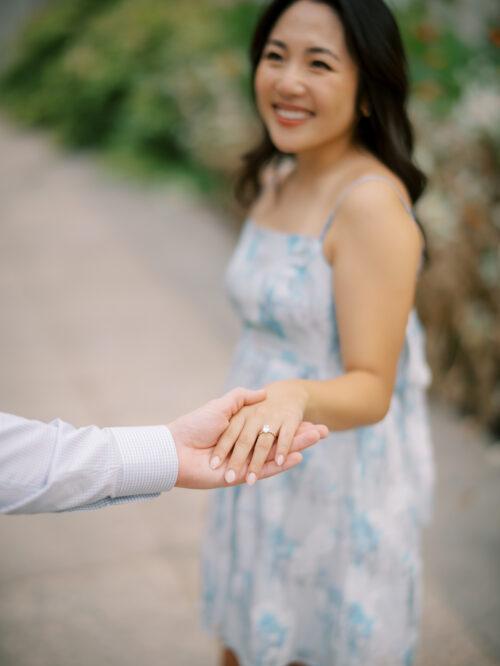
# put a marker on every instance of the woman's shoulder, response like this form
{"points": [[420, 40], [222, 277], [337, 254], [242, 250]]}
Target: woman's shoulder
{"points": [[373, 209], [373, 183], [375, 192]]}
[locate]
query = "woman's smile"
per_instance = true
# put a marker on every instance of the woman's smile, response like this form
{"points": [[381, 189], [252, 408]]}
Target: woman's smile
{"points": [[290, 115]]}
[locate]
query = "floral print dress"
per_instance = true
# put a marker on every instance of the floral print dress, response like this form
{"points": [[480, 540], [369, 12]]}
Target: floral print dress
{"points": [[320, 565]]}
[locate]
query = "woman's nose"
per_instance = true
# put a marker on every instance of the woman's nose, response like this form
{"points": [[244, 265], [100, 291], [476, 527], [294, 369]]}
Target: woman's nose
{"points": [[289, 82]]}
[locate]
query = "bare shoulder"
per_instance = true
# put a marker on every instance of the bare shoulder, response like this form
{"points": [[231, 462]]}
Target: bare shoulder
{"points": [[374, 218], [375, 192]]}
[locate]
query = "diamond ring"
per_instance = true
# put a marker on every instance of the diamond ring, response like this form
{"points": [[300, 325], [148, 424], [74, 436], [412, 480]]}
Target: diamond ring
{"points": [[266, 430]]}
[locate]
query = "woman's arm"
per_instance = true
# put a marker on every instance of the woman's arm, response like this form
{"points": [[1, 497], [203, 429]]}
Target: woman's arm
{"points": [[375, 248]]}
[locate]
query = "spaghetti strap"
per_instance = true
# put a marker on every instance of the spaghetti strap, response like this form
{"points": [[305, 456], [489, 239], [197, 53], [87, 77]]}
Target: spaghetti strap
{"points": [[351, 186]]}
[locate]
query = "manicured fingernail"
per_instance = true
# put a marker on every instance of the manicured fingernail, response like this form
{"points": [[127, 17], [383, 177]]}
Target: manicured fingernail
{"points": [[280, 459], [215, 462], [230, 475], [251, 478]]}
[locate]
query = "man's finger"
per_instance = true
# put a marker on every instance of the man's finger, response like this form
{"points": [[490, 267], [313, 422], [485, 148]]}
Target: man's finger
{"points": [[307, 436], [271, 468], [234, 400]]}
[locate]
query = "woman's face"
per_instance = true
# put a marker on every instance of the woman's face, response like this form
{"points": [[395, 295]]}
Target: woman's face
{"points": [[306, 81]]}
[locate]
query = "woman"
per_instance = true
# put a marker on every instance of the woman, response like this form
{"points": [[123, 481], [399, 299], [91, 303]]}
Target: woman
{"points": [[321, 566]]}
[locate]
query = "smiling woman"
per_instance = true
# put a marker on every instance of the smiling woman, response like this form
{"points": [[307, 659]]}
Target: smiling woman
{"points": [[290, 70], [381, 93], [321, 567]]}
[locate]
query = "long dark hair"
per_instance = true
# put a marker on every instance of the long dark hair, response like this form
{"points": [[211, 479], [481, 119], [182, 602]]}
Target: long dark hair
{"points": [[374, 42]]}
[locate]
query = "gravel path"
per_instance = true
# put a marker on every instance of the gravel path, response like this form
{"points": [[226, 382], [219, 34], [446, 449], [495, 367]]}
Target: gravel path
{"points": [[113, 313]]}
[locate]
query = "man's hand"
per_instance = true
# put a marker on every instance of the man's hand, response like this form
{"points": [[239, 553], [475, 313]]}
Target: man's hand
{"points": [[197, 433]]}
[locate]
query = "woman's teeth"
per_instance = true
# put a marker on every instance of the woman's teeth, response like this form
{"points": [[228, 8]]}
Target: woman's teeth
{"points": [[292, 115]]}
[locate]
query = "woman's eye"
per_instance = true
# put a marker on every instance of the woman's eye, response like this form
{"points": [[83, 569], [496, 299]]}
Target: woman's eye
{"points": [[272, 55], [320, 63]]}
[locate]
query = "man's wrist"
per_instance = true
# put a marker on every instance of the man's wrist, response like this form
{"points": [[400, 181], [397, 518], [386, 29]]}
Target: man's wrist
{"points": [[177, 436], [149, 460]]}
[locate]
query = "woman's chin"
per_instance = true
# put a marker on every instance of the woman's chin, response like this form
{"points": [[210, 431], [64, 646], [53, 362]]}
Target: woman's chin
{"points": [[287, 145], [286, 142]]}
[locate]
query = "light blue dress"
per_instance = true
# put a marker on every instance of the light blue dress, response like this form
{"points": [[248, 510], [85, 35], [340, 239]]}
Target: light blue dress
{"points": [[320, 565]]}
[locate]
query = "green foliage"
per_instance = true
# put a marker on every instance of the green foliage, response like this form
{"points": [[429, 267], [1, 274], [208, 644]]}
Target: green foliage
{"points": [[442, 62], [127, 75], [237, 26], [163, 88], [149, 77]]}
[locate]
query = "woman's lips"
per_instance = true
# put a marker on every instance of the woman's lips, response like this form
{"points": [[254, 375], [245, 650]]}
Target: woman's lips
{"points": [[291, 116]]}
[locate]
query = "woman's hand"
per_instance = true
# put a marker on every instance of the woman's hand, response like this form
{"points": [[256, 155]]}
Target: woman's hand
{"points": [[196, 434], [255, 429]]}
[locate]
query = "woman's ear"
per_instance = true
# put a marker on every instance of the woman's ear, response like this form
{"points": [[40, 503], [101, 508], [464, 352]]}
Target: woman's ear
{"points": [[365, 109]]}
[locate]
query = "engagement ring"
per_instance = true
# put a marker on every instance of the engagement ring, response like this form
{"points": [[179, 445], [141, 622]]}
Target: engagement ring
{"points": [[266, 430]]}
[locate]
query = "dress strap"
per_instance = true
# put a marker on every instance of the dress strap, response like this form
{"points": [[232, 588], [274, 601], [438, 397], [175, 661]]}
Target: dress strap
{"points": [[355, 183]]}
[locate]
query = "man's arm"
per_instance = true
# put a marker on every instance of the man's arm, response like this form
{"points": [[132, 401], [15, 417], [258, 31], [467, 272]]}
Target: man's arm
{"points": [[51, 467], [47, 467]]}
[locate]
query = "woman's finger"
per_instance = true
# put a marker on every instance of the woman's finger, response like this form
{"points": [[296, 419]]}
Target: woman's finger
{"points": [[285, 438], [242, 448], [270, 468], [263, 445], [272, 452], [227, 440]]}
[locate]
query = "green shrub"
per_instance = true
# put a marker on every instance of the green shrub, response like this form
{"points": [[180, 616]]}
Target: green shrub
{"points": [[158, 81], [166, 86]]}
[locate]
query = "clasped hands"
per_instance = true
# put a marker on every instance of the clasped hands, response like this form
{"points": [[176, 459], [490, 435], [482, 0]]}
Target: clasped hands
{"points": [[223, 442]]}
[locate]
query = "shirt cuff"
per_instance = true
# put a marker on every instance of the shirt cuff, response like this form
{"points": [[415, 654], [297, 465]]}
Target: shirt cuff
{"points": [[149, 460]]}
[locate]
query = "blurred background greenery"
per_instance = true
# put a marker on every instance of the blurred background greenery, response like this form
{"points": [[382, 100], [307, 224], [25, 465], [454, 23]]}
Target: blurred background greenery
{"points": [[162, 90]]}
